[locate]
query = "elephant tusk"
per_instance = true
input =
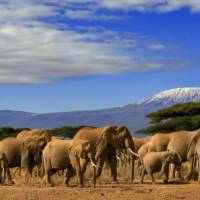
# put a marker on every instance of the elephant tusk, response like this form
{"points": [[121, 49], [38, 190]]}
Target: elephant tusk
{"points": [[118, 158], [126, 155], [135, 154], [92, 162]]}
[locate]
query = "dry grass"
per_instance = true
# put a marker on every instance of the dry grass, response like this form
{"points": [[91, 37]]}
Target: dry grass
{"points": [[36, 189]]}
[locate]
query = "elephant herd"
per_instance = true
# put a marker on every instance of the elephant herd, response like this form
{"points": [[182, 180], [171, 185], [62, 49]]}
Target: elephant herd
{"points": [[158, 153]]}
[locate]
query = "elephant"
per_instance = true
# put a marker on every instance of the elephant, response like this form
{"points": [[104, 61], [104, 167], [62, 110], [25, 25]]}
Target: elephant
{"points": [[66, 154], [35, 133], [106, 140], [40, 133], [25, 153], [154, 162], [182, 143], [156, 143], [138, 142], [193, 153], [112, 138]]}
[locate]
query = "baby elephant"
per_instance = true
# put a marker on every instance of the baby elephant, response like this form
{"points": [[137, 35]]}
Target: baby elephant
{"points": [[159, 161]]}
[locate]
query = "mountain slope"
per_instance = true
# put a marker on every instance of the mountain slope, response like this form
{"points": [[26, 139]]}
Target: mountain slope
{"points": [[131, 115]]}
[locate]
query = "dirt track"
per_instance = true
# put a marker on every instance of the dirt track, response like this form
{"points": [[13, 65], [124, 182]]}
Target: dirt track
{"points": [[108, 192]]}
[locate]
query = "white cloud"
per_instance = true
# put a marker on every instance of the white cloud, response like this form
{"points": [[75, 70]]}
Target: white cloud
{"points": [[157, 47], [32, 51], [89, 15], [43, 54], [152, 5]]}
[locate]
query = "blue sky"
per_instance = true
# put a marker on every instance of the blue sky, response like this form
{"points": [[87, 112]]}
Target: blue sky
{"points": [[89, 54]]}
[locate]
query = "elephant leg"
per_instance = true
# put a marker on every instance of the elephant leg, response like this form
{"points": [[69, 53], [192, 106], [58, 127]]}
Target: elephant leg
{"points": [[29, 170], [152, 178], [142, 175], [132, 168], [48, 175], [10, 181], [70, 173], [172, 171], [94, 176], [190, 169], [83, 163], [76, 165], [99, 169], [166, 174], [1, 176], [198, 169], [113, 166]]}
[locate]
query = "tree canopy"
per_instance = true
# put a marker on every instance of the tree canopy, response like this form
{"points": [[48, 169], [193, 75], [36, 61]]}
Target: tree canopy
{"points": [[177, 117]]}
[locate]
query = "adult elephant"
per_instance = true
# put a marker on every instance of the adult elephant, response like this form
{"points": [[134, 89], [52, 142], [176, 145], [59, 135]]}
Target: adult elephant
{"points": [[194, 153], [40, 132], [156, 143], [25, 153], [106, 140], [66, 154], [138, 142], [183, 143]]}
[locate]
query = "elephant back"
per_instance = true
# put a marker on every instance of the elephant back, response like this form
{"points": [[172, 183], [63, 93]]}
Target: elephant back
{"points": [[35, 133], [88, 133]]}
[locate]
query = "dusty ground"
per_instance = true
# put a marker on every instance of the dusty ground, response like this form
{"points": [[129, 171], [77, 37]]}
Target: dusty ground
{"points": [[37, 190], [110, 192]]}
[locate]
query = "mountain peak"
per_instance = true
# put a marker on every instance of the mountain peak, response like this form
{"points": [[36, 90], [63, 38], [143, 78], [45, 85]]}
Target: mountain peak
{"points": [[174, 96]]}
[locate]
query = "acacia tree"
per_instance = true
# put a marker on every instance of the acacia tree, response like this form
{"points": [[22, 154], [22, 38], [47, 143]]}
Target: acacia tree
{"points": [[177, 117]]}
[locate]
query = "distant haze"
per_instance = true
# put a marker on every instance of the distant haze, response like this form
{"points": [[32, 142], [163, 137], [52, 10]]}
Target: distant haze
{"points": [[132, 115]]}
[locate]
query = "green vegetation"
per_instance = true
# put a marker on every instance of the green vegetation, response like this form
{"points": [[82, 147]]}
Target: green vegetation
{"points": [[9, 132], [67, 131], [177, 117]]}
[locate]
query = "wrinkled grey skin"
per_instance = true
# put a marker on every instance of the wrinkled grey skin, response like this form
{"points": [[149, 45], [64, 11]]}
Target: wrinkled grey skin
{"points": [[158, 161], [106, 140], [66, 154], [25, 153]]}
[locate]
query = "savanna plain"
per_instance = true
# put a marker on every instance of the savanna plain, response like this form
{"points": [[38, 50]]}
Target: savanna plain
{"points": [[35, 189]]}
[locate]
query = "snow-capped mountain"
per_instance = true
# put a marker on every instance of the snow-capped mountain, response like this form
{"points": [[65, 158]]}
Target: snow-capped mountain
{"points": [[132, 115], [173, 96]]}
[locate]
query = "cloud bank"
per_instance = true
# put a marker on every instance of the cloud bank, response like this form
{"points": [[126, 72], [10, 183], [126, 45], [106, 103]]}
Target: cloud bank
{"points": [[32, 50]]}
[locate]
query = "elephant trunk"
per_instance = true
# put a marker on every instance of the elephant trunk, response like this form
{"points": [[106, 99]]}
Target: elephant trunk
{"points": [[100, 147]]}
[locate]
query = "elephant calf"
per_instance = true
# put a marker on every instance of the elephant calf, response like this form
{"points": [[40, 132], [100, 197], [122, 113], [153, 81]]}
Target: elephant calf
{"points": [[158, 161]]}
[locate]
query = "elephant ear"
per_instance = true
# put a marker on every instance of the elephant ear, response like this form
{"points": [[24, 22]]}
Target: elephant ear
{"points": [[168, 157], [124, 133], [108, 131], [77, 150], [192, 145], [41, 142]]}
